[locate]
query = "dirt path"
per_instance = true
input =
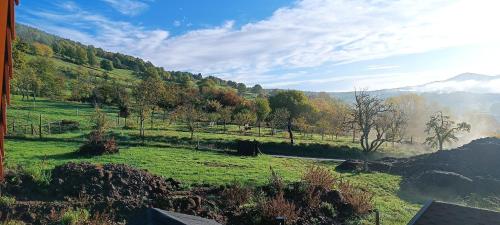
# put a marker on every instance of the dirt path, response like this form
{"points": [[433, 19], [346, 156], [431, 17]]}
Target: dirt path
{"points": [[309, 158]]}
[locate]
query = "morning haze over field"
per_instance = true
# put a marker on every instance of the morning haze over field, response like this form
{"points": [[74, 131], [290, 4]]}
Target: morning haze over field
{"points": [[289, 112]]}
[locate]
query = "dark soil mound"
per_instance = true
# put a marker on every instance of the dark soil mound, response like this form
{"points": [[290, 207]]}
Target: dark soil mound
{"points": [[112, 181], [472, 168], [123, 193], [479, 158], [449, 182]]}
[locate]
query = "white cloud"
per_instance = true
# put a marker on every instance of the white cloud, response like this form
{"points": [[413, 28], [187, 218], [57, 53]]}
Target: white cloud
{"points": [[306, 35], [128, 7], [382, 67]]}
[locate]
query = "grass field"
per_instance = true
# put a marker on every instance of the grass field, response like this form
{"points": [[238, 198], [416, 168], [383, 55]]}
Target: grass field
{"points": [[169, 152]]}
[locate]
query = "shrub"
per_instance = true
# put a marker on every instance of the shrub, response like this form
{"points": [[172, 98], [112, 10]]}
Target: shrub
{"points": [[75, 217], [360, 200], [317, 180], [40, 173], [279, 207], [328, 209], [13, 222], [236, 195], [97, 144], [6, 201], [276, 183], [97, 141], [319, 177]]}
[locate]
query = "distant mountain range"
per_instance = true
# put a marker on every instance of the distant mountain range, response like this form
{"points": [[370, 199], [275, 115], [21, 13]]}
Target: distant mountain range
{"points": [[466, 82], [467, 92]]}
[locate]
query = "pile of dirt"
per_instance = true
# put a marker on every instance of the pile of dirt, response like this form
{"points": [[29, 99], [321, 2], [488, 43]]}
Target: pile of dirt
{"points": [[472, 168], [110, 181], [120, 190], [479, 158], [124, 194]]}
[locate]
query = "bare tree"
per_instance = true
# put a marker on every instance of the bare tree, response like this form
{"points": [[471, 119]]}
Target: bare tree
{"points": [[443, 129], [371, 113], [398, 125]]}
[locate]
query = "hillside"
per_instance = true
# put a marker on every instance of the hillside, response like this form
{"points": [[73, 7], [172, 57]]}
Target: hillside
{"points": [[72, 58]]}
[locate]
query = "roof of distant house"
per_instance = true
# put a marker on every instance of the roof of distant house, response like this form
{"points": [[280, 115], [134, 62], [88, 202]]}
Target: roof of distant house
{"points": [[441, 213], [160, 217]]}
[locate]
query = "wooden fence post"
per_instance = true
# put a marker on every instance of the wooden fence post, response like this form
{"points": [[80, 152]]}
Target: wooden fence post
{"points": [[40, 127], [60, 127], [14, 125], [32, 129], [77, 111]]}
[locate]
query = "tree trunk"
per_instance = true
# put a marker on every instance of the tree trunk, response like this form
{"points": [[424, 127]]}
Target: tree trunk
{"points": [[259, 127], [290, 133], [225, 126], [152, 119], [142, 129]]}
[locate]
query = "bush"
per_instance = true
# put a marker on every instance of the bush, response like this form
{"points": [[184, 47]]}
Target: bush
{"points": [[328, 209], [236, 196], [97, 141], [319, 177], [276, 183], [279, 207], [6, 201], [317, 180], [360, 200], [98, 145], [13, 222], [75, 217]]}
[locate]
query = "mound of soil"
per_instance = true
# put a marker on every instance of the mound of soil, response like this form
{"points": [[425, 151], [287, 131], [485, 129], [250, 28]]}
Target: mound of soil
{"points": [[472, 168], [110, 181], [125, 193], [479, 158]]}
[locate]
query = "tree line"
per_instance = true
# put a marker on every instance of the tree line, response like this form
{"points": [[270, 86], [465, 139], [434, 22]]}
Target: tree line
{"points": [[194, 99]]}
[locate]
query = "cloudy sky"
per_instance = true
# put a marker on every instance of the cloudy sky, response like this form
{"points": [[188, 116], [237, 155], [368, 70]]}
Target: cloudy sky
{"points": [[318, 45]]}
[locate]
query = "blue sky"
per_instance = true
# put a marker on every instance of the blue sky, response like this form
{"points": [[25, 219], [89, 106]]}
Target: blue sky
{"points": [[314, 45]]}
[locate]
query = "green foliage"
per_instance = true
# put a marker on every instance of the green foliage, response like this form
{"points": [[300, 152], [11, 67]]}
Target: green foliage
{"points": [[257, 89], [91, 57], [99, 121], [7, 201], [262, 108], [106, 65], [26, 83], [294, 101], [42, 50], [328, 209], [19, 54], [13, 222], [74, 217]]}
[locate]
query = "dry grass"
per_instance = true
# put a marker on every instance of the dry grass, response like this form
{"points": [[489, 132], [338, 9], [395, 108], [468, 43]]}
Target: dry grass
{"points": [[360, 199], [279, 207], [318, 180], [236, 195], [319, 177], [276, 181]]}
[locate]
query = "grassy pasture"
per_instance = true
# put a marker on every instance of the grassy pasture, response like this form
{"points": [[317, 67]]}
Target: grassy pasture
{"points": [[169, 152]]}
